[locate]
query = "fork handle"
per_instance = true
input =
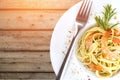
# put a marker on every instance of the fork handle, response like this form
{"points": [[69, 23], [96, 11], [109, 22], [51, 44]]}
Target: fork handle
{"points": [[66, 59]]}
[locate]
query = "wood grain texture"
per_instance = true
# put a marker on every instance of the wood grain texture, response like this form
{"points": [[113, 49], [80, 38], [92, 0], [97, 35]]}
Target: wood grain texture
{"points": [[27, 79], [26, 28], [29, 19], [21, 76], [25, 40], [37, 4], [25, 62]]}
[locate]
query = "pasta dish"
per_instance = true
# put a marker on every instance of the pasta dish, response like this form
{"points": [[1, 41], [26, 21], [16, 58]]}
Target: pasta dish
{"points": [[99, 47]]}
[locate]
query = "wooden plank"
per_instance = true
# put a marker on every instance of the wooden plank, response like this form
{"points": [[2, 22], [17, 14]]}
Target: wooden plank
{"points": [[37, 4], [25, 67], [25, 40], [25, 62], [21, 76], [27, 79], [33, 19]]}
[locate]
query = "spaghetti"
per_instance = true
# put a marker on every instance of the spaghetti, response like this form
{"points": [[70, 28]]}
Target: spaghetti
{"points": [[99, 50]]}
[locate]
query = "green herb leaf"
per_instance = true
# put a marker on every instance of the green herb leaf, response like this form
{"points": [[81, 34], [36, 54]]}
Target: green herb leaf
{"points": [[103, 22]]}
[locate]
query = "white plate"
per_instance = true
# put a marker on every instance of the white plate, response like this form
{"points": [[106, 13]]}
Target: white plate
{"points": [[62, 35]]}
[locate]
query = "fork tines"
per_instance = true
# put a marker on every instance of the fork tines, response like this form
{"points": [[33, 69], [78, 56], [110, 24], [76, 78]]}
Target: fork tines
{"points": [[84, 9]]}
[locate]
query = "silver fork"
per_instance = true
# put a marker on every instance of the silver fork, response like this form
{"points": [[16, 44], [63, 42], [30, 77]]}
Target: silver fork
{"points": [[83, 15], [81, 20]]}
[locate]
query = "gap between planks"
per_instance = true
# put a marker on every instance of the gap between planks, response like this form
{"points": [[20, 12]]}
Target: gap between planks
{"points": [[24, 50], [14, 9], [26, 29]]}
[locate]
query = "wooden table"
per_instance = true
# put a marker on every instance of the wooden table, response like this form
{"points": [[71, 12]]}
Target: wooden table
{"points": [[26, 27]]}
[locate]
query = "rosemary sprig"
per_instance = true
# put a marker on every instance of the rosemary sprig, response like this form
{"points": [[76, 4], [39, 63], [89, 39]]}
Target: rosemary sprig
{"points": [[103, 22]]}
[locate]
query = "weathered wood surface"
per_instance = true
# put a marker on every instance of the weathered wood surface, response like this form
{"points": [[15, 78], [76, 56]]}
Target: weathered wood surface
{"points": [[25, 40], [29, 19], [25, 62], [27, 79], [27, 76], [26, 27], [37, 4]]}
